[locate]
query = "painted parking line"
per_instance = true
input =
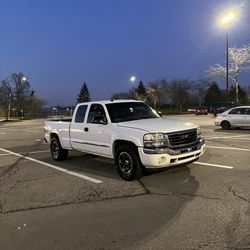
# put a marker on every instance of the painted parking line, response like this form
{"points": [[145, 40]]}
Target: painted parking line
{"points": [[242, 139], [33, 152], [207, 130], [22, 130], [228, 148], [52, 166], [212, 165], [227, 137]]}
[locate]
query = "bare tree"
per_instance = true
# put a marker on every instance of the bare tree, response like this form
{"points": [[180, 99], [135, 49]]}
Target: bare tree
{"points": [[6, 97], [21, 93], [179, 92], [199, 88], [157, 92], [15, 93], [152, 95], [239, 61]]}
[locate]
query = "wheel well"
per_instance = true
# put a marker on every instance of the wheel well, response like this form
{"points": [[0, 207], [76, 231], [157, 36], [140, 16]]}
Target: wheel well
{"points": [[118, 143], [54, 135], [224, 121]]}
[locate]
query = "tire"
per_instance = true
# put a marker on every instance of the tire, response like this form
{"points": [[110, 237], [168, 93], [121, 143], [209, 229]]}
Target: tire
{"points": [[225, 125], [56, 150], [129, 166]]}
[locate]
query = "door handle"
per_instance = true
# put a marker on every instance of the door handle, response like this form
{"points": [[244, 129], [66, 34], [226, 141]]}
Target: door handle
{"points": [[86, 129]]}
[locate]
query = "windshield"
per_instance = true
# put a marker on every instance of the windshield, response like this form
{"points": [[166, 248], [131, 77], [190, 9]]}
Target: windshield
{"points": [[130, 111]]}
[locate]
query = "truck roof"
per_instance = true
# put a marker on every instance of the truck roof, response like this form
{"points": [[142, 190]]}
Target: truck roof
{"points": [[110, 101]]}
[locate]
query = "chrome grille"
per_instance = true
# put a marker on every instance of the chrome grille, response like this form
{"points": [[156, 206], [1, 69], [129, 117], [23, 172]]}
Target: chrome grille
{"points": [[182, 138]]}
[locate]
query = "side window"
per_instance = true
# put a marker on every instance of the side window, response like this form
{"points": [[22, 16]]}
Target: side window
{"points": [[238, 111], [80, 114], [248, 111], [97, 114]]}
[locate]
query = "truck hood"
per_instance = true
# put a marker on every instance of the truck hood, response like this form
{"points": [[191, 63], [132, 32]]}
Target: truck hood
{"points": [[158, 125]]}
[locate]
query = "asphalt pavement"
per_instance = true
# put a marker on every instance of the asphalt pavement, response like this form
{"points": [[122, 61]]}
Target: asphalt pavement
{"points": [[82, 203]]}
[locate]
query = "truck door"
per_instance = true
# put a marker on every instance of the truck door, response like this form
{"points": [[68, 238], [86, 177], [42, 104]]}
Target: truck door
{"points": [[92, 133], [97, 131], [77, 128]]}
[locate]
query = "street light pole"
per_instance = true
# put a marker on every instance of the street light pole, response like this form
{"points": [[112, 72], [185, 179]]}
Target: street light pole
{"points": [[226, 20], [227, 83]]}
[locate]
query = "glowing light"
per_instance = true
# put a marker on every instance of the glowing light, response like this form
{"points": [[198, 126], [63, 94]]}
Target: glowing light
{"points": [[132, 79], [228, 16]]}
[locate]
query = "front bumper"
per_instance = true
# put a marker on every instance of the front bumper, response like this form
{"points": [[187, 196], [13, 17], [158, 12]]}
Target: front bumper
{"points": [[178, 151], [165, 157]]}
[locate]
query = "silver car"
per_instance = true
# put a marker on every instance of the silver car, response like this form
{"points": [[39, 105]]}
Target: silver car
{"points": [[237, 117]]}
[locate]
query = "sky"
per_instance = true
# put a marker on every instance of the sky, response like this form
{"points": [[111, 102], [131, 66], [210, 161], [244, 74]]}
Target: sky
{"points": [[59, 44]]}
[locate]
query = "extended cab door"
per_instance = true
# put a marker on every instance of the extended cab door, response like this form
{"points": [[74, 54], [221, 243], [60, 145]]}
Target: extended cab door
{"points": [[95, 135], [77, 127]]}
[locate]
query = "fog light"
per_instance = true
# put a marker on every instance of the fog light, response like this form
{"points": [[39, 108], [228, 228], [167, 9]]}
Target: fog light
{"points": [[162, 159]]}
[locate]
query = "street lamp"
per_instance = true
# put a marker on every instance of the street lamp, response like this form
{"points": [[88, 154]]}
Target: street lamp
{"points": [[132, 79], [23, 79], [226, 20]]}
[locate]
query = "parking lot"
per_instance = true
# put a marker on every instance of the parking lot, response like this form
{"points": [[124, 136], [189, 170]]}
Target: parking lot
{"points": [[82, 203]]}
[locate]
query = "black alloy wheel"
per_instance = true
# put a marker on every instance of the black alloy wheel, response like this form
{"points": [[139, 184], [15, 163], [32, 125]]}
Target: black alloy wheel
{"points": [[128, 164], [56, 150]]}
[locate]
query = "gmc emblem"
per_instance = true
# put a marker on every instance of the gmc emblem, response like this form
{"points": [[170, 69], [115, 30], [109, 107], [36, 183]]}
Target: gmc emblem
{"points": [[182, 137]]}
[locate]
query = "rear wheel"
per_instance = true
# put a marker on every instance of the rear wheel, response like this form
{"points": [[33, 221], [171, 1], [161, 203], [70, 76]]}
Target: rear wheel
{"points": [[128, 164], [56, 150], [225, 125]]}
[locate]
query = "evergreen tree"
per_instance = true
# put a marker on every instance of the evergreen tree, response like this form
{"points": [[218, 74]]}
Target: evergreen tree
{"points": [[213, 94], [84, 95], [141, 92]]}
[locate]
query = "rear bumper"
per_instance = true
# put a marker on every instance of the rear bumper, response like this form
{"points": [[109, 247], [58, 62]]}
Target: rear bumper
{"points": [[217, 122], [167, 157]]}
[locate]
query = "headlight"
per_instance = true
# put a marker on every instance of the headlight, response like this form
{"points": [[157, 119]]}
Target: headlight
{"points": [[154, 140], [198, 131]]}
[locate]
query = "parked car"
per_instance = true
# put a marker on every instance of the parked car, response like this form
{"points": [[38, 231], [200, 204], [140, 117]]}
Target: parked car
{"points": [[201, 110], [222, 107], [237, 117]]}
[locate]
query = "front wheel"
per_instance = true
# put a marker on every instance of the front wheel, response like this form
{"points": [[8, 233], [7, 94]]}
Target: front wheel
{"points": [[128, 164], [56, 150]]}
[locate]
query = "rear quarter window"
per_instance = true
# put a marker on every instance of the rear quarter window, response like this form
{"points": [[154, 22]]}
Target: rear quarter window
{"points": [[80, 114]]}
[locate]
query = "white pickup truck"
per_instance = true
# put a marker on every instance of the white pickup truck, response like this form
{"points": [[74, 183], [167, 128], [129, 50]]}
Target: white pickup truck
{"points": [[130, 132]]}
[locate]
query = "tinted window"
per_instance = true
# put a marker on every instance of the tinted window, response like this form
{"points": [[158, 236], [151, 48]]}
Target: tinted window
{"points": [[129, 111], [97, 114], [80, 114], [248, 111], [238, 111]]}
